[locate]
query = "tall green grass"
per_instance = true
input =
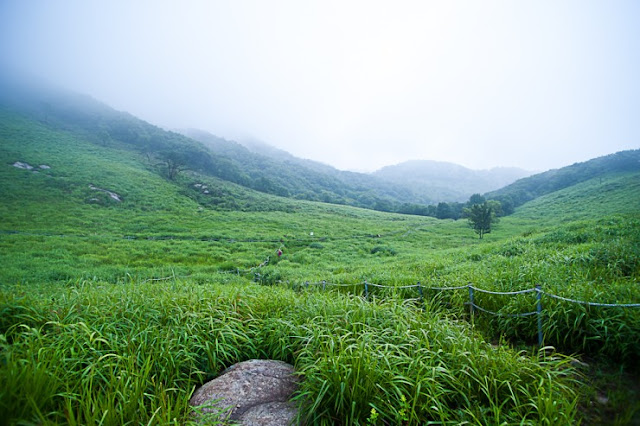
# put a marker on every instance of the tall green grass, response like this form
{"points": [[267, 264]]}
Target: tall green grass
{"points": [[96, 353]]}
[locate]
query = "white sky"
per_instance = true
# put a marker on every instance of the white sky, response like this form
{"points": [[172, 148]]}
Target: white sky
{"points": [[355, 84]]}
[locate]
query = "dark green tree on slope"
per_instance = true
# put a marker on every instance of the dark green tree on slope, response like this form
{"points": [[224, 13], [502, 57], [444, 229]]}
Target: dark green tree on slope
{"points": [[481, 217], [174, 162]]}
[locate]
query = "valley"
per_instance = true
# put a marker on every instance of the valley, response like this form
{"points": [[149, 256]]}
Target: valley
{"points": [[115, 308]]}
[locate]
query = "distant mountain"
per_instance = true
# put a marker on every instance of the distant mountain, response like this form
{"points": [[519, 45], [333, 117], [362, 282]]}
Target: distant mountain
{"points": [[554, 180], [260, 147], [413, 187], [278, 172], [171, 153], [430, 181], [258, 150], [444, 181]]}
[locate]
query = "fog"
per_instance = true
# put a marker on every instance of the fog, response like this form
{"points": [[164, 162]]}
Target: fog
{"points": [[355, 84]]}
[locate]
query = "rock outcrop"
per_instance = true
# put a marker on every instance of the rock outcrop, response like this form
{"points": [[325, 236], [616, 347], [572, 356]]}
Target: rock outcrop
{"points": [[112, 194], [250, 393]]}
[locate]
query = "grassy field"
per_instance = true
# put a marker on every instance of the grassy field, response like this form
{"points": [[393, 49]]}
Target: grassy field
{"points": [[87, 338], [97, 353]]}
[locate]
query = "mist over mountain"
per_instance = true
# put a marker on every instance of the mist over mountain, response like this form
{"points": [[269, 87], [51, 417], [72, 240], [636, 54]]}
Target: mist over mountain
{"points": [[445, 181], [436, 180], [429, 182], [414, 187], [281, 173]]}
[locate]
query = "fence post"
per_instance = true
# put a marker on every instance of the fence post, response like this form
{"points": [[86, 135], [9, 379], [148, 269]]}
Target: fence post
{"points": [[366, 289], [471, 309], [420, 292], [324, 284], [539, 311]]}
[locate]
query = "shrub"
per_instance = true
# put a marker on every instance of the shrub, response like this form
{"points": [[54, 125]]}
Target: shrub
{"points": [[383, 251]]}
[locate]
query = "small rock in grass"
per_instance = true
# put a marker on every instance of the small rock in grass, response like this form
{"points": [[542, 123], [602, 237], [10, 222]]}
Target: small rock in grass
{"points": [[21, 165], [602, 399]]}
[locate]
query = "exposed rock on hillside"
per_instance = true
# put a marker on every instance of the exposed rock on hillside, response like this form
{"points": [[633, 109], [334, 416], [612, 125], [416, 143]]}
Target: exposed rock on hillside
{"points": [[112, 194], [27, 166], [21, 165]]}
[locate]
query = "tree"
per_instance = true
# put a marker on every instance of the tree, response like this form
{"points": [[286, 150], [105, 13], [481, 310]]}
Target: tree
{"points": [[174, 162], [383, 205], [476, 199], [507, 205], [443, 211], [104, 136], [497, 208], [481, 217]]}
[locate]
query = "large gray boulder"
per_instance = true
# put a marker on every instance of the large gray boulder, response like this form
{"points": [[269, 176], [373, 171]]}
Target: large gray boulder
{"points": [[254, 392]]}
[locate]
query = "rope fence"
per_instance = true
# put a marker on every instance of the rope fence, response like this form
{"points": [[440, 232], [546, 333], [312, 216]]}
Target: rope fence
{"points": [[474, 307], [605, 305]]}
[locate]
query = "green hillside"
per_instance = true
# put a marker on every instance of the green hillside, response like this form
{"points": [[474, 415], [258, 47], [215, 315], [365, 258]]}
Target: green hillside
{"points": [[607, 194], [532, 187], [227, 160], [122, 290], [309, 180]]}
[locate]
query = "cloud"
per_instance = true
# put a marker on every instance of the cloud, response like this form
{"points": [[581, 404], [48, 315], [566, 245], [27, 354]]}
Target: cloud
{"points": [[357, 84]]}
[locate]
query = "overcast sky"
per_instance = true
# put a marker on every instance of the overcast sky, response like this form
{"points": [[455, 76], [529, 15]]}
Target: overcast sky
{"points": [[355, 84]]}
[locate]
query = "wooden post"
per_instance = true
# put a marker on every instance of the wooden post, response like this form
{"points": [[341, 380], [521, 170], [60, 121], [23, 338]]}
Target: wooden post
{"points": [[471, 309], [539, 311], [366, 289], [421, 295]]}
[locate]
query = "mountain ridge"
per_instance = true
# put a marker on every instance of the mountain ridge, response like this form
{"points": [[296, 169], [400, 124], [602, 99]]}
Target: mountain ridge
{"points": [[430, 181], [453, 181], [535, 186], [276, 172]]}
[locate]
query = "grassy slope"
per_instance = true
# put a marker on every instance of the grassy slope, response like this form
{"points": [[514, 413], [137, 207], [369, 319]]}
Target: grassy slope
{"points": [[580, 242], [535, 186], [597, 197]]}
